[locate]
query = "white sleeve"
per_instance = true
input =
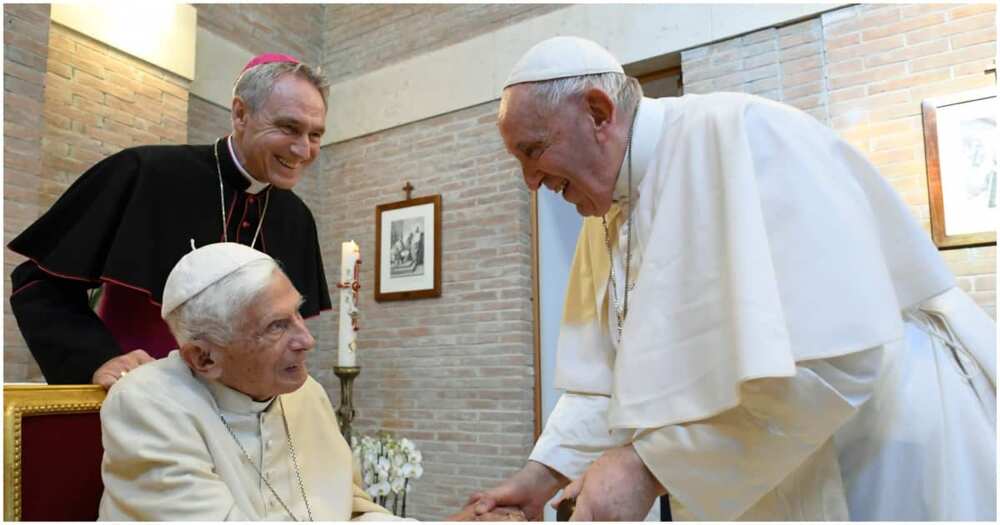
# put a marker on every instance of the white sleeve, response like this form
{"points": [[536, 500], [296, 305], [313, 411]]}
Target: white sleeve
{"points": [[576, 433], [156, 465], [719, 467]]}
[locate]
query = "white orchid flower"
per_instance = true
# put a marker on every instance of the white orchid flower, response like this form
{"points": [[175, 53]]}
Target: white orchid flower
{"points": [[397, 485]]}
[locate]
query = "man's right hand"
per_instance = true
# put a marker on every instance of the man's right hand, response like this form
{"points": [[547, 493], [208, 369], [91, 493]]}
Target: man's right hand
{"points": [[528, 490], [113, 370]]}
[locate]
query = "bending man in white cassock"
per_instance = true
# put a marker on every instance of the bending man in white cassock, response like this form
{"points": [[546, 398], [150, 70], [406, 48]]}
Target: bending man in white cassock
{"points": [[774, 337], [230, 426]]}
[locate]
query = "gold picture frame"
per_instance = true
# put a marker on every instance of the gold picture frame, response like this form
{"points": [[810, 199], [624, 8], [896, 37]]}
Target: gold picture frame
{"points": [[960, 151]]}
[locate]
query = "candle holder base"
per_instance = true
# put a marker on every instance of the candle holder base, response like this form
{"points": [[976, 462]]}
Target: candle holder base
{"points": [[346, 412]]}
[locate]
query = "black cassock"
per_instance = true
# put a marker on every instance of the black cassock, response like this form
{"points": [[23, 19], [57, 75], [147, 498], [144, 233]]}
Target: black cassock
{"points": [[124, 224]]}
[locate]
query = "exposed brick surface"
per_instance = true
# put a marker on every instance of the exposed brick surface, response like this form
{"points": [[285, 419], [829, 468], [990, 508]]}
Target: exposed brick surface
{"points": [[453, 373], [268, 28], [25, 53], [365, 37], [864, 70], [110, 101], [207, 121]]}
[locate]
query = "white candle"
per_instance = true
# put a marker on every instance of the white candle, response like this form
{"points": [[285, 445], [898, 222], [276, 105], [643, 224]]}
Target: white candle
{"points": [[347, 349]]}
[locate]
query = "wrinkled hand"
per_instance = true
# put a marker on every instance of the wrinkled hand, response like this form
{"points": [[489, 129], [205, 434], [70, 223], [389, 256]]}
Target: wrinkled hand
{"points": [[616, 487], [113, 370], [528, 490], [498, 514]]}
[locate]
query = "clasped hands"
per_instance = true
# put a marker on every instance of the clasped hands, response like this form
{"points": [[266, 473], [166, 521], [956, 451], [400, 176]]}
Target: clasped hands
{"points": [[616, 487]]}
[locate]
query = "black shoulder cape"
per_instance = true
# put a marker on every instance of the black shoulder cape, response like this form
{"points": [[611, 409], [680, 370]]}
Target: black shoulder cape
{"points": [[132, 216]]}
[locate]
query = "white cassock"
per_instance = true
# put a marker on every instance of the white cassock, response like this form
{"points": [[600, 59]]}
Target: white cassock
{"points": [[795, 348], [169, 457]]}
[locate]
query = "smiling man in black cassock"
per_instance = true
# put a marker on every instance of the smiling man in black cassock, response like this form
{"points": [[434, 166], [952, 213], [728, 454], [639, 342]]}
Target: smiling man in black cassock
{"points": [[126, 221]]}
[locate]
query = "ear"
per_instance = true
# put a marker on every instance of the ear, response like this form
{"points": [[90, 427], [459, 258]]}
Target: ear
{"points": [[203, 358], [601, 109], [240, 114]]}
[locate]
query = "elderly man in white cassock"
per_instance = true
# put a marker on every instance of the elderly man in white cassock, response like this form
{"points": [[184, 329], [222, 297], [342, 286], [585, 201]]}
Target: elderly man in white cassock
{"points": [[754, 324], [230, 426]]}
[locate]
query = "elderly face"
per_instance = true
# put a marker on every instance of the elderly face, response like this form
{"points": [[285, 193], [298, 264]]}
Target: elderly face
{"points": [[565, 150], [278, 141], [270, 359]]}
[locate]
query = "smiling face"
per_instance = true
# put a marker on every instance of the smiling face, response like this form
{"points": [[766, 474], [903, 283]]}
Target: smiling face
{"points": [[282, 137], [572, 149], [270, 359]]}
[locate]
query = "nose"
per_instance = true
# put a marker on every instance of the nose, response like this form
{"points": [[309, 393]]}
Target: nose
{"points": [[532, 178], [301, 148], [302, 338]]}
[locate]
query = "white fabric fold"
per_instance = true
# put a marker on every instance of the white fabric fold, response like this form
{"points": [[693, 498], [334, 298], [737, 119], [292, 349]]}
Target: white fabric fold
{"points": [[775, 242]]}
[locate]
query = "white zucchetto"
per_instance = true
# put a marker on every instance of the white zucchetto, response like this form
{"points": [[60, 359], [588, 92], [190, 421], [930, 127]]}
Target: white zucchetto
{"points": [[202, 268], [561, 57]]}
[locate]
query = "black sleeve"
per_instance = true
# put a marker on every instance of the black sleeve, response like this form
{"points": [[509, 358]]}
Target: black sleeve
{"points": [[65, 336]]}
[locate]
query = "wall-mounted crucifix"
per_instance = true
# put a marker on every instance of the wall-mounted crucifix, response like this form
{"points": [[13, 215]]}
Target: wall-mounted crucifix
{"points": [[408, 189]]}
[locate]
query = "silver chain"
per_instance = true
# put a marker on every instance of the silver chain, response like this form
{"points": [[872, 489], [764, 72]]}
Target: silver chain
{"points": [[295, 463], [621, 310], [222, 201]]}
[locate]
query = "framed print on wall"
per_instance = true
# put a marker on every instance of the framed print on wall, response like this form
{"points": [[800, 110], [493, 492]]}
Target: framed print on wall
{"points": [[960, 148], [408, 249]]}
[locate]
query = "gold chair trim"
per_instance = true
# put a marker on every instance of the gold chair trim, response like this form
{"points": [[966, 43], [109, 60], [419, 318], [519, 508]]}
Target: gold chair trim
{"points": [[33, 400]]}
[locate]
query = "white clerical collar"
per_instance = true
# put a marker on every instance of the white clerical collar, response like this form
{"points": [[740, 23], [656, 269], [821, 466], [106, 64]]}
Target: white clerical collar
{"points": [[234, 401], [256, 186], [645, 135]]}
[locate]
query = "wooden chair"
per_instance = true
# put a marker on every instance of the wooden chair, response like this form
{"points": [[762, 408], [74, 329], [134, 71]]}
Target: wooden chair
{"points": [[52, 452]]}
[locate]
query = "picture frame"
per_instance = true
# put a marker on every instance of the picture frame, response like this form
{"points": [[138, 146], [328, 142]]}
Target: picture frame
{"points": [[408, 249], [960, 150]]}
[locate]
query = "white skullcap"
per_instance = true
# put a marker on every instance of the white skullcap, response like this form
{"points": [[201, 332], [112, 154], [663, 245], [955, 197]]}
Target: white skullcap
{"points": [[202, 268], [561, 57]]}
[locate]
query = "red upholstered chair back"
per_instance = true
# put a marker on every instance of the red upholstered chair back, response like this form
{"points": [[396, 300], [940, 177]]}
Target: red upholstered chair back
{"points": [[52, 452]]}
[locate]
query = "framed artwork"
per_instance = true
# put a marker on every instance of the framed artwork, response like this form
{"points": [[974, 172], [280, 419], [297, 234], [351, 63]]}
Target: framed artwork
{"points": [[960, 147], [408, 249]]}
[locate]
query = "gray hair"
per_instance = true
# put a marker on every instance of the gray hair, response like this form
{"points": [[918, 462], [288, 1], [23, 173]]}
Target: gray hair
{"points": [[256, 84], [214, 314], [624, 90]]}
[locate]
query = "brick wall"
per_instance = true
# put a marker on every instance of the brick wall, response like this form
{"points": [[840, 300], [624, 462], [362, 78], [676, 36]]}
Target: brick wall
{"points": [[864, 70], [366, 37], [207, 121], [455, 373], [25, 52], [99, 100], [262, 28], [95, 101]]}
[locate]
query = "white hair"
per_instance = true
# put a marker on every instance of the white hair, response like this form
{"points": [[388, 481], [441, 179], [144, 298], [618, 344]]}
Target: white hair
{"points": [[624, 90], [214, 315], [255, 85]]}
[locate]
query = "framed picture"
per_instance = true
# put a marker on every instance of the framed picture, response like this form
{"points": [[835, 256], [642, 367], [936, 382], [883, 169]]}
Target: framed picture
{"points": [[408, 249], [960, 147]]}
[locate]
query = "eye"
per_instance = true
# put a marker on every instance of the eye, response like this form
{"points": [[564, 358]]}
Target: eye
{"points": [[535, 150], [276, 327], [289, 129]]}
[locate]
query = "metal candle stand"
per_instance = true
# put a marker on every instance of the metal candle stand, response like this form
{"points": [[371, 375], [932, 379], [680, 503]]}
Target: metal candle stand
{"points": [[346, 412]]}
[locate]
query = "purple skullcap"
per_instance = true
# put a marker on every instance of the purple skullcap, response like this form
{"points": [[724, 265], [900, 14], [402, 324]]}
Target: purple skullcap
{"points": [[267, 58]]}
